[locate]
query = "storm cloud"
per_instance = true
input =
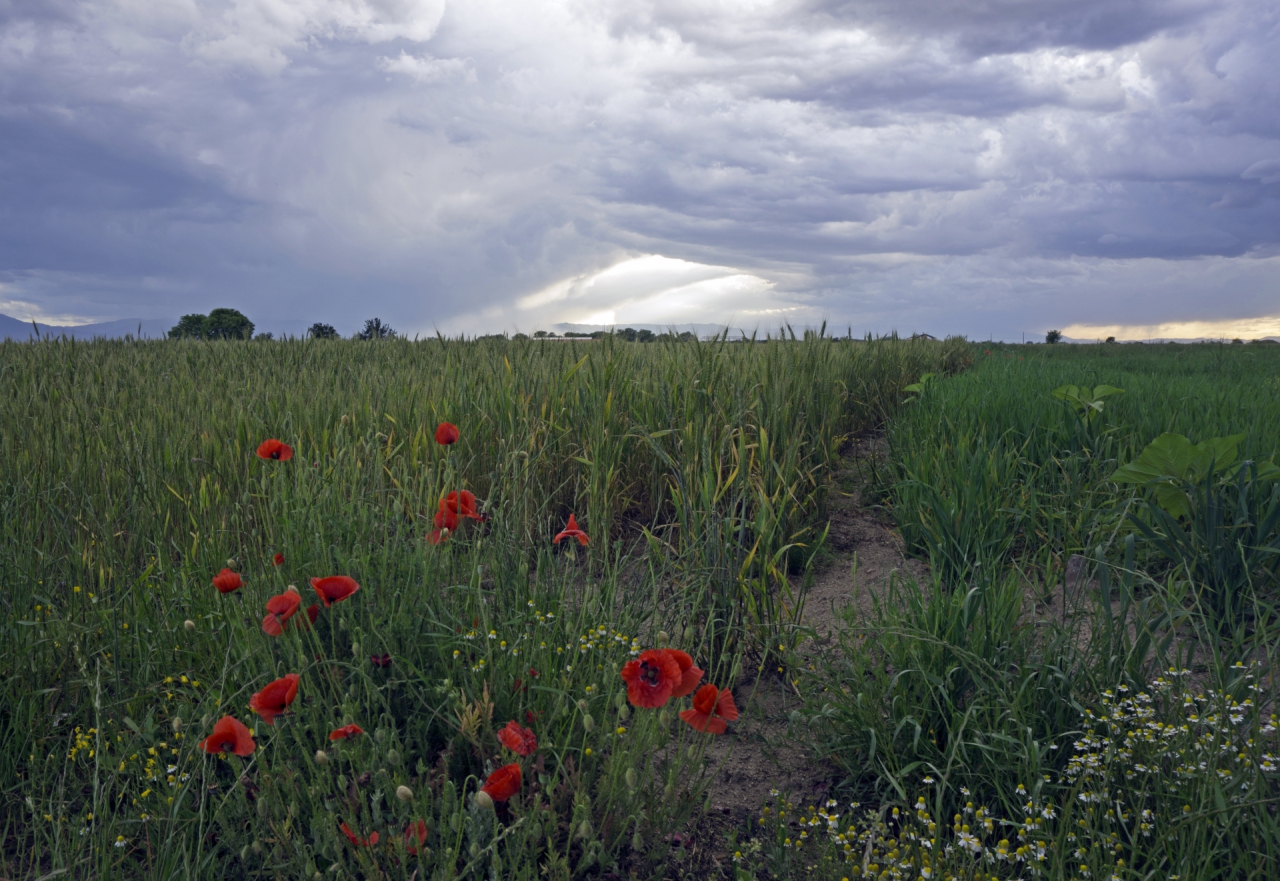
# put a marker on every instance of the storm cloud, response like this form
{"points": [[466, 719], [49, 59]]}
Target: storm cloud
{"points": [[953, 167]]}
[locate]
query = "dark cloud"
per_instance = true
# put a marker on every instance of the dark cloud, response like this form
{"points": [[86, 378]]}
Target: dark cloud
{"points": [[884, 162]]}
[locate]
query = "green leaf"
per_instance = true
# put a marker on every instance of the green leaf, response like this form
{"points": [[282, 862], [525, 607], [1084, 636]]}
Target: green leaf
{"points": [[1171, 460]]}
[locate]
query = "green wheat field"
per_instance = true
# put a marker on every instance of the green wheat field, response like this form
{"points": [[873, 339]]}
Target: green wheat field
{"points": [[1083, 686]]}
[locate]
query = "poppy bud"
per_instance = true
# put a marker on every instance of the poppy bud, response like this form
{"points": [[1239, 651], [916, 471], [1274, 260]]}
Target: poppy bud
{"points": [[380, 735], [204, 720], [483, 800], [293, 809], [177, 724], [588, 723], [404, 793], [631, 778], [664, 718], [346, 420], [623, 712], [322, 757], [292, 588], [263, 808], [475, 849], [189, 624], [231, 564], [584, 830], [444, 533], [582, 705], [669, 790], [257, 847], [393, 757], [663, 638], [244, 853], [355, 649], [689, 633]]}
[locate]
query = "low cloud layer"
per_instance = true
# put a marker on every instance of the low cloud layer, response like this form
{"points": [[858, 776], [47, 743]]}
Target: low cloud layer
{"points": [[988, 170]]}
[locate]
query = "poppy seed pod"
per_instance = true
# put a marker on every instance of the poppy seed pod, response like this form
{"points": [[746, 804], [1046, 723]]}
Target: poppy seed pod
{"points": [[322, 757], [189, 624], [483, 800], [404, 793]]}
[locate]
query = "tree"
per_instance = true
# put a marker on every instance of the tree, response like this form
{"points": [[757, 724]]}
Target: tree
{"points": [[1111, 339], [265, 336], [1053, 336], [228, 324], [190, 327], [374, 329], [321, 331]]}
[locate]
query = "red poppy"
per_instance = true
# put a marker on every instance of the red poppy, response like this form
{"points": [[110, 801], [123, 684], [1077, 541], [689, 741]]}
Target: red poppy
{"points": [[571, 530], [651, 678], [467, 507], [690, 675], [530, 716], [447, 433], [227, 581], [357, 840], [278, 560], [274, 700], [445, 518], [383, 661], [520, 741], [229, 736], [274, 449], [712, 708], [415, 830], [503, 783], [279, 610], [345, 731], [335, 588], [313, 612]]}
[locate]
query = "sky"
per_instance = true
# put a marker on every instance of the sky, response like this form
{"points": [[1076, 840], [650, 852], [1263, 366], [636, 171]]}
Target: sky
{"points": [[993, 169]]}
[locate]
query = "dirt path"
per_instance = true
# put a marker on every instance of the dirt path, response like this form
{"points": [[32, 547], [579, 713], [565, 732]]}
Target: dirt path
{"points": [[762, 754]]}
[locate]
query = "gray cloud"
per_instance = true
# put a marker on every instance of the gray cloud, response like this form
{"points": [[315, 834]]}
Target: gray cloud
{"points": [[877, 163]]}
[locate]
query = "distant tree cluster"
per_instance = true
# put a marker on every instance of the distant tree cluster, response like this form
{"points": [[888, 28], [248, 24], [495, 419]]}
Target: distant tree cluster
{"points": [[220, 324], [374, 329], [1053, 336]]}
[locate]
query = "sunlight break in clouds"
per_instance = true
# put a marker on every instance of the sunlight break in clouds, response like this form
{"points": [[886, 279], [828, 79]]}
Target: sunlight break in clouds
{"points": [[649, 289], [1243, 329]]}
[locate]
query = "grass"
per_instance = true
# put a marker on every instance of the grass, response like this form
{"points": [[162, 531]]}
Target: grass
{"points": [[1002, 719], [129, 480]]}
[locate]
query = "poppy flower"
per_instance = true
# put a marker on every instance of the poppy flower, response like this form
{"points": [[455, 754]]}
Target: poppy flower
{"points": [[415, 835], [447, 433], [445, 518], [274, 449], [274, 700], [227, 581], [502, 783], [335, 588], [712, 708], [463, 503], [651, 678], [571, 530], [383, 661], [357, 840], [345, 731], [520, 741], [279, 610], [278, 560], [313, 612], [229, 736], [690, 675]]}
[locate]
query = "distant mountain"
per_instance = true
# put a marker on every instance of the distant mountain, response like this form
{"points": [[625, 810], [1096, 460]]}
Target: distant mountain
{"points": [[152, 328]]}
